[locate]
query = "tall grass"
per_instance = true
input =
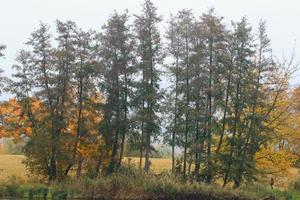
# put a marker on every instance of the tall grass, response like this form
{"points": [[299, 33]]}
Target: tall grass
{"points": [[129, 183]]}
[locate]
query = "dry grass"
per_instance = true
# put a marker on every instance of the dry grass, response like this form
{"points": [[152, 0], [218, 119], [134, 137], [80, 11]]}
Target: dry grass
{"points": [[157, 164], [11, 165]]}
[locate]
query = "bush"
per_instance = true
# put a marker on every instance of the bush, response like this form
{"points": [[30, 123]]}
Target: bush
{"points": [[295, 185], [37, 191]]}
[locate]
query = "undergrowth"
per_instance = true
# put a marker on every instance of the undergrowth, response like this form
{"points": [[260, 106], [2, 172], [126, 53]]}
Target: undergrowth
{"points": [[129, 183]]}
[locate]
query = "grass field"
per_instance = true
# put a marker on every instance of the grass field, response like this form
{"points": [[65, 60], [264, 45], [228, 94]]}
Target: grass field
{"points": [[11, 165], [157, 164]]}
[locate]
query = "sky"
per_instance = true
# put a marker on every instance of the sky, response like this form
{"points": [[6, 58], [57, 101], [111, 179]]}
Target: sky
{"points": [[18, 18]]}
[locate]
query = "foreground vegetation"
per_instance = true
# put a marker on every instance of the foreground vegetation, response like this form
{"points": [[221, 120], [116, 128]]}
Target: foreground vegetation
{"points": [[129, 183]]}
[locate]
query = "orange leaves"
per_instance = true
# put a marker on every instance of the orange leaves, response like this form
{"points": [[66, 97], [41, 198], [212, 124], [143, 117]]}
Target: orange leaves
{"points": [[12, 119], [31, 118], [15, 118]]}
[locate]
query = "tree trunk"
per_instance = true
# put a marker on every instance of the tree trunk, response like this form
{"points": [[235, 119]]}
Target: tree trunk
{"points": [[236, 123], [79, 167], [142, 142], [175, 117], [187, 110], [228, 89], [125, 120], [79, 118], [209, 129]]}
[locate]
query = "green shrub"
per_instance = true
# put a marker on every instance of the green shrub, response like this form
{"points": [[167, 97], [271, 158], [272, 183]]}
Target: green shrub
{"points": [[37, 191], [295, 185], [58, 193]]}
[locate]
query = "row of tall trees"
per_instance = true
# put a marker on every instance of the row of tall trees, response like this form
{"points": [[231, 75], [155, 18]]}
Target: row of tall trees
{"points": [[225, 88], [212, 92]]}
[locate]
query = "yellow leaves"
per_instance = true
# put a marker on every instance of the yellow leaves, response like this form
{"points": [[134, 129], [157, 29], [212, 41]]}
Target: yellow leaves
{"points": [[271, 160], [277, 164], [88, 151], [278, 158]]}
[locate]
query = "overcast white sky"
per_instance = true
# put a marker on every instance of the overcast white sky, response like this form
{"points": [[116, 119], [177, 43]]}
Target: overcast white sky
{"points": [[18, 18]]}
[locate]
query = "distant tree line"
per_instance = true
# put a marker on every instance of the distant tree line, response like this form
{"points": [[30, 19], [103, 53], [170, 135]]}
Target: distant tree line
{"points": [[209, 90]]}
